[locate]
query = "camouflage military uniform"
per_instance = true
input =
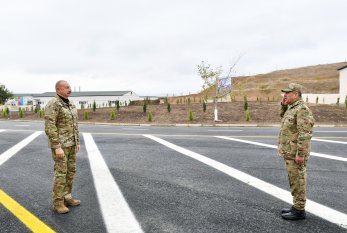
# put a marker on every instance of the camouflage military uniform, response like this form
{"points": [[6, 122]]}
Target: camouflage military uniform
{"points": [[61, 128], [294, 140]]}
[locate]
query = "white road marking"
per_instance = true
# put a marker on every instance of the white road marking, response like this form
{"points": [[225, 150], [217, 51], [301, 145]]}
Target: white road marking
{"points": [[225, 130], [275, 147], [324, 140], [315, 208], [22, 125], [13, 150], [2, 130], [318, 131], [116, 213], [134, 129]]}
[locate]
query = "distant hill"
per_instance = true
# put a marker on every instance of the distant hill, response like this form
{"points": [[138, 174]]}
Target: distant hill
{"points": [[317, 79]]}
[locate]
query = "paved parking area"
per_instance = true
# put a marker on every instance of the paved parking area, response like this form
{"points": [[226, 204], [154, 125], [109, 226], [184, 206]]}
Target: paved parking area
{"points": [[170, 179]]}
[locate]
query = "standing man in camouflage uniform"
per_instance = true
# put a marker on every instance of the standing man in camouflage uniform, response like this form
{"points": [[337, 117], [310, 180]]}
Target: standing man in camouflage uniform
{"points": [[294, 146], [61, 128]]}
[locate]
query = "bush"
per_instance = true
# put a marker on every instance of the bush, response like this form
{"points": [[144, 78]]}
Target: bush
{"points": [[190, 116], [204, 106], [4, 113], [149, 117], [21, 113], [245, 103], [40, 113], [113, 115], [117, 105], [86, 116], [248, 115], [145, 107], [94, 106], [338, 101], [169, 107], [317, 99]]}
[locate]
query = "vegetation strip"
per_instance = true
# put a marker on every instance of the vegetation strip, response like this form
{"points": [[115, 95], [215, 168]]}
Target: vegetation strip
{"points": [[29, 220]]}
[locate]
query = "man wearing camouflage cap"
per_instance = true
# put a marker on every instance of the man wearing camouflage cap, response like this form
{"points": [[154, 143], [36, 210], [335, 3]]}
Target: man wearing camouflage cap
{"points": [[294, 145], [61, 128]]}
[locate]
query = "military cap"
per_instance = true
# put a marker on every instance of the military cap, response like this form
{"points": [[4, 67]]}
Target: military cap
{"points": [[293, 87]]}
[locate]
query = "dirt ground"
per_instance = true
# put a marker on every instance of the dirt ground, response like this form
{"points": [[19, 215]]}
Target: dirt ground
{"points": [[228, 113]]}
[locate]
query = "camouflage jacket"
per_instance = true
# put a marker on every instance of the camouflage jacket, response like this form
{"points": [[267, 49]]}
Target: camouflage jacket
{"points": [[61, 124], [296, 131]]}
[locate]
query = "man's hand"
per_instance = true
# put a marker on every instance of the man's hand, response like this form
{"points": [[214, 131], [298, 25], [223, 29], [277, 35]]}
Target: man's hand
{"points": [[59, 153], [78, 147], [299, 160]]}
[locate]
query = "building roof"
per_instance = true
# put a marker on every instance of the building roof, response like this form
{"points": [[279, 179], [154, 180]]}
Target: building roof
{"points": [[86, 93], [343, 67]]}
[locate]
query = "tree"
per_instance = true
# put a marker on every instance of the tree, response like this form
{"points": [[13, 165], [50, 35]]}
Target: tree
{"points": [[208, 75], [5, 94], [94, 106], [169, 107]]}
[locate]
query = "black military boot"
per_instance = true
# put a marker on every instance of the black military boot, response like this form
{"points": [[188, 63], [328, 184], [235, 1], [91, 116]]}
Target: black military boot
{"points": [[286, 210], [294, 214]]}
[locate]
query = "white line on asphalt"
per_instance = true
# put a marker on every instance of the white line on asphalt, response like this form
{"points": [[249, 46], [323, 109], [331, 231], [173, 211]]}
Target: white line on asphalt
{"points": [[133, 129], [318, 131], [315, 208], [13, 150], [2, 130], [225, 130], [22, 125], [275, 147], [324, 140], [115, 210]]}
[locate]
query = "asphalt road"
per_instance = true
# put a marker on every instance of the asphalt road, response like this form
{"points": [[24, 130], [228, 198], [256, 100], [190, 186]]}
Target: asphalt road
{"points": [[167, 190]]}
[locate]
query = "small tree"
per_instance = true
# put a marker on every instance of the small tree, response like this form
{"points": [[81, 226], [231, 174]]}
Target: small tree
{"points": [[306, 99], [177, 101], [117, 105], [338, 101], [248, 115], [40, 113], [169, 107], [4, 94], [245, 103], [204, 106], [317, 100], [188, 100], [86, 116], [145, 106], [190, 116], [94, 106], [149, 117], [113, 115], [346, 101], [21, 113]]}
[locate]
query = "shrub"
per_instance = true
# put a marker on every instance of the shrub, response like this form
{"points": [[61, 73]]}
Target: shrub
{"points": [[248, 115], [338, 101], [113, 115], [317, 99], [94, 106], [169, 107], [177, 101], [149, 117], [204, 106], [86, 116], [190, 116], [145, 106], [21, 113], [40, 113], [117, 105], [245, 103], [346, 101]]}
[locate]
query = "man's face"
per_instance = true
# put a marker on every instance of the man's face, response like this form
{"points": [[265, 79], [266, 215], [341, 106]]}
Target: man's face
{"points": [[64, 90], [290, 97]]}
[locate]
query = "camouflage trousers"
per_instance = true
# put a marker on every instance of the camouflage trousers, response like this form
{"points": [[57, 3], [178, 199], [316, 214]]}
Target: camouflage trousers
{"points": [[64, 171], [297, 182]]}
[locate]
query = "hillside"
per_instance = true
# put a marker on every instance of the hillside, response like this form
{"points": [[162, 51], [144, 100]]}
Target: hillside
{"points": [[318, 79]]}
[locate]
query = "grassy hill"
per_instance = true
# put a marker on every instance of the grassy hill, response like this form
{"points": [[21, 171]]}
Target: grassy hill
{"points": [[318, 79]]}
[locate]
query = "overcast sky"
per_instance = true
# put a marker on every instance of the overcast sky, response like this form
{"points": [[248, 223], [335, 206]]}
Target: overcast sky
{"points": [[152, 47]]}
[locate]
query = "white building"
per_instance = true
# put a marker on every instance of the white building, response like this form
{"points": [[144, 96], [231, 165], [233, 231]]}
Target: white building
{"points": [[331, 98], [87, 98]]}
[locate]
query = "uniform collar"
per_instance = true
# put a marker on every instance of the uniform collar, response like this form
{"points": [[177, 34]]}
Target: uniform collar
{"points": [[295, 103]]}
